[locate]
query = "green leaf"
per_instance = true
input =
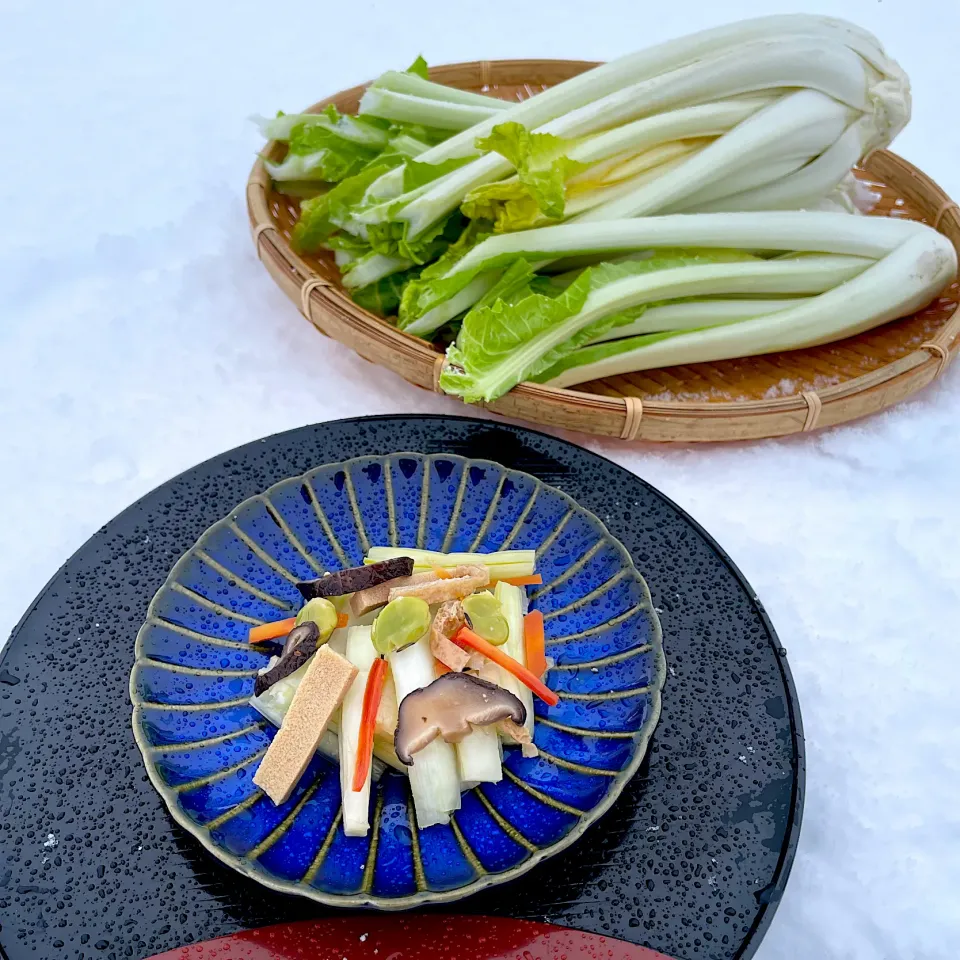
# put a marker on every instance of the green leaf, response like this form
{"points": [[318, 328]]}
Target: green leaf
{"points": [[522, 328], [391, 238], [383, 297], [542, 171], [416, 174], [433, 287], [321, 216], [420, 68]]}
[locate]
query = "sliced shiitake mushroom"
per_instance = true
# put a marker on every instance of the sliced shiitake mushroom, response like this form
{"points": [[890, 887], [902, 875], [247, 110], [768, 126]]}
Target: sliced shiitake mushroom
{"points": [[301, 644], [450, 707], [356, 578]]}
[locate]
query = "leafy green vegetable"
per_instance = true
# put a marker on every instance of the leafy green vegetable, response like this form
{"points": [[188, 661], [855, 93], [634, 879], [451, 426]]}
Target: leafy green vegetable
{"points": [[517, 330], [543, 168], [383, 297], [419, 68], [321, 216], [390, 239], [431, 287]]}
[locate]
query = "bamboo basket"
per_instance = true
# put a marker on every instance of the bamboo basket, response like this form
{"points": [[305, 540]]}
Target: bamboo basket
{"points": [[768, 396]]}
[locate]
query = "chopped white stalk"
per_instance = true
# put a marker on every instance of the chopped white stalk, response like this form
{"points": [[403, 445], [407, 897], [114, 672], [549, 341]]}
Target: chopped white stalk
{"points": [[479, 756], [504, 564], [694, 314], [414, 85], [900, 283], [356, 804], [373, 267], [406, 108], [275, 702], [434, 319], [512, 601], [434, 778]]}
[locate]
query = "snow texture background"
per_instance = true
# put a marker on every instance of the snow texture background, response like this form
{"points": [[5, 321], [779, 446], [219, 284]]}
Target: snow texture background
{"points": [[140, 335]]}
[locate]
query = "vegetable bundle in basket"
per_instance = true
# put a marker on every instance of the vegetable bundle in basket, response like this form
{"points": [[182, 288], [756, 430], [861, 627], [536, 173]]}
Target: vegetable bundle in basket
{"points": [[690, 202]]}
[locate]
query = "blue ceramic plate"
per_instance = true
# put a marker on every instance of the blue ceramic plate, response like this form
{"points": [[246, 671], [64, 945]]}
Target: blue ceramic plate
{"points": [[194, 674]]}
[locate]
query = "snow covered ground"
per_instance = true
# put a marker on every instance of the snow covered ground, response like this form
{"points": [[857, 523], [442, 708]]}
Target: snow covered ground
{"points": [[139, 335]]}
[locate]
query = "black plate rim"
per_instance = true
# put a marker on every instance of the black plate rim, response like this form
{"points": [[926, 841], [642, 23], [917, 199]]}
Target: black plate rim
{"points": [[788, 852]]}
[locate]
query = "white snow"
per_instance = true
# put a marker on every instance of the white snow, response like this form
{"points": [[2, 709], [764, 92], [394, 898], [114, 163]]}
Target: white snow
{"points": [[139, 335]]}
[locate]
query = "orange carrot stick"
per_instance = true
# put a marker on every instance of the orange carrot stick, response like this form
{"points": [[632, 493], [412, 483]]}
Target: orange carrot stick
{"points": [[534, 644], [441, 573], [271, 631], [467, 638], [534, 580], [342, 620], [372, 693]]}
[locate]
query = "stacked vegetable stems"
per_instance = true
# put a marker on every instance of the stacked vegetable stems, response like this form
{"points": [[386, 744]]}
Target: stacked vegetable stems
{"points": [[690, 202]]}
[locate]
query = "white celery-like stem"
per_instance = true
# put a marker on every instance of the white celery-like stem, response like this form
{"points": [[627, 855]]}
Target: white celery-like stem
{"points": [[512, 601], [404, 108], [784, 230], [503, 564], [903, 281], [434, 778], [372, 267], [693, 314], [356, 804], [410, 83]]}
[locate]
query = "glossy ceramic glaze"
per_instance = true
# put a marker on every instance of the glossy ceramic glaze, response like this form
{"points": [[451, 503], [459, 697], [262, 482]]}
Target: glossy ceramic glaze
{"points": [[421, 938], [202, 742]]}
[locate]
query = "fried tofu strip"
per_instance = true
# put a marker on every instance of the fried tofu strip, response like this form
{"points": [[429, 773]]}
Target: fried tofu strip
{"points": [[324, 685]]}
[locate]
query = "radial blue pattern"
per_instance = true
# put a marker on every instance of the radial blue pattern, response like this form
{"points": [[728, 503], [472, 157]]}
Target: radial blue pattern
{"points": [[194, 674]]}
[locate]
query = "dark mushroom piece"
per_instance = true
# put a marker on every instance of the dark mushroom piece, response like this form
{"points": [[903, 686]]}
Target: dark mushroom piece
{"points": [[450, 707], [356, 578], [301, 644]]}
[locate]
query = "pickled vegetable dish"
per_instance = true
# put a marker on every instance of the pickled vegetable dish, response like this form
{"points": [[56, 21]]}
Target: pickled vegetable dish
{"points": [[425, 662]]}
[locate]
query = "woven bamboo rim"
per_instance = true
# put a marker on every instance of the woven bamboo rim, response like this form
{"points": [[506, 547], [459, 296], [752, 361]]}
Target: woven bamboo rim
{"points": [[751, 398]]}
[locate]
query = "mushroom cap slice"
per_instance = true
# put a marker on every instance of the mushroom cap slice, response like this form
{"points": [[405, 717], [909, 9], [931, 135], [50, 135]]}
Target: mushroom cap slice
{"points": [[450, 707], [356, 578], [301, 644]]}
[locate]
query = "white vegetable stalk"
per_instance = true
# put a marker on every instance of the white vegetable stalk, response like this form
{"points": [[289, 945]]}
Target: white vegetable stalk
{"points": [[812, 64], [275, 702], [434, 777], [779, 230], [372, 267], [694, 314], [416, 86], [504, 564], [901, 282], [356, 804], [281, 128], [801, 124], [804, 188], [608, 78], [479, 757], [512, 602], [405, 108]]}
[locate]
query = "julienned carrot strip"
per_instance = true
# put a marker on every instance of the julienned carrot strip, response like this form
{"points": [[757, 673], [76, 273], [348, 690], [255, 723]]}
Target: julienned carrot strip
{"points": [[533, 643], [466, 637], [534, 580], [271, 631], [441, 668], [372, 693], [342, 620], [442, 574]]}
